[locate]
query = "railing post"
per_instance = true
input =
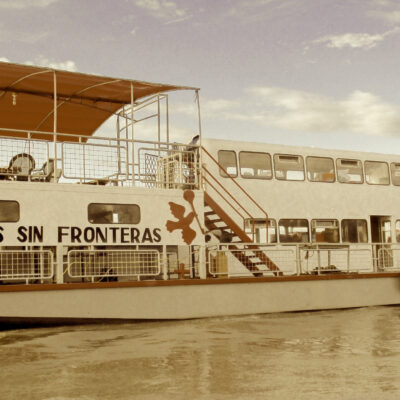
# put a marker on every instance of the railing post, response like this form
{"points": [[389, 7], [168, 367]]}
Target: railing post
{"points": [[348, 259], [202, 262], [59, 264], [165, 262]]}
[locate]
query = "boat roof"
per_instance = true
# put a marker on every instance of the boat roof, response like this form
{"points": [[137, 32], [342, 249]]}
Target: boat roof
{"points": [[84, 101]]}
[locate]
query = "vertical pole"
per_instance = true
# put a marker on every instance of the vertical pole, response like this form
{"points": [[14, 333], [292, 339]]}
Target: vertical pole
{"points": [[165, 262], [59, 264], [55, 117], [133, 135], [167, 117], [158, 125], [202, 262], [200, 164]]}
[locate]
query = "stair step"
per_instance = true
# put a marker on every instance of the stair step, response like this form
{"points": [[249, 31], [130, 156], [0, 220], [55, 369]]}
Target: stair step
{"points": [[209, 213]]}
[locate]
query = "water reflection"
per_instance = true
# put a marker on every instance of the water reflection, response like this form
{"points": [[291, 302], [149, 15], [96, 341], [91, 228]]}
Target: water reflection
{"points": [[331, 354]]}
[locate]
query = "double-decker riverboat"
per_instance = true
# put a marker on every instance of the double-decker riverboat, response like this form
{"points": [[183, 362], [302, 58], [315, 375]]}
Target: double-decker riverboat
{"points": [[123, 227]]}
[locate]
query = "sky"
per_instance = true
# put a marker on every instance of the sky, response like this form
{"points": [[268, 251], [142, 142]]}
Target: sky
{"points": [[320, 73]]}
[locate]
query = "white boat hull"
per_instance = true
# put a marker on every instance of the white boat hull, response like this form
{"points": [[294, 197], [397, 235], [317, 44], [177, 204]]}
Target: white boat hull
{"points": [[197, 299]]}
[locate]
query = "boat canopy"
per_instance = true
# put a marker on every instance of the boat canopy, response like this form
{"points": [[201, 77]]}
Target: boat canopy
{"points": [[83, 101]]}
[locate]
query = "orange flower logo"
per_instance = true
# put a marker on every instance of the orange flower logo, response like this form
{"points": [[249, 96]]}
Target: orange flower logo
{"points": [[183, 223]]}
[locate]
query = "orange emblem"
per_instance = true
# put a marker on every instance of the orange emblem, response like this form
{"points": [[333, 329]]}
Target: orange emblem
{"points": [[183, 223]]}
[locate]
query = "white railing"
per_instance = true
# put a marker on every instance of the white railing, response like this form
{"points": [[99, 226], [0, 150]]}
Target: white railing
{"points": [[168, 168], [98, 160], [318, 259], [310, 258], [242, 260], [91, 161], [26, 265], [106, 265]]}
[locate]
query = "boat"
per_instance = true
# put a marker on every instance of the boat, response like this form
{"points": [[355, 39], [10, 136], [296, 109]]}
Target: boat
{"points": [[97, 227]]}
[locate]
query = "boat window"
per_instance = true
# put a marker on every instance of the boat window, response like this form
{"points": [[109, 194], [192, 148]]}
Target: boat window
{"points": [[325, 230], [293, 230], [354, 231], [349, 171], [100, 213], [9, 211], [395, 172], [397, 231], [228, 161], [260, 230], [320, 169], [255, 165], [376, 173], [289, 167]]}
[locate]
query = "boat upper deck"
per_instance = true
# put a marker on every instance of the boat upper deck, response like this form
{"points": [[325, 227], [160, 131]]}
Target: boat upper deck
{"points": [[49, 130]]}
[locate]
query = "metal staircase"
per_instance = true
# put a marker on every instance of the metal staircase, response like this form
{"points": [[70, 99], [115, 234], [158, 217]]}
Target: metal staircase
{"points": [[216, 219]]}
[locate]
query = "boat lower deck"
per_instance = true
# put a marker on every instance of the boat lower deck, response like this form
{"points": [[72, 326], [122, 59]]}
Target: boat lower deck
{"points": [[196, 298]]}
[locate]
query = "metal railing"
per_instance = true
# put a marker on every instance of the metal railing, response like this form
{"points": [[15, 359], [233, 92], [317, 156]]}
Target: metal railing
{"points": [[243, 259], [302, 258], [321, 259], [170, 168], [97, 160], [26, 265], [108, 265]]}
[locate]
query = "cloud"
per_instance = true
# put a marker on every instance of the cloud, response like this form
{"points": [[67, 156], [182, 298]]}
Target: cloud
{"points": [[68, 65], [4, 59], [390, 16], [21, 4], [305, 112], [163, 9], [364, 41]]}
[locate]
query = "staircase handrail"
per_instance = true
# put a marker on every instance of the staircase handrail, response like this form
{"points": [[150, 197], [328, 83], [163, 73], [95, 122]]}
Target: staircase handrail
{"points": [[240, 187]]}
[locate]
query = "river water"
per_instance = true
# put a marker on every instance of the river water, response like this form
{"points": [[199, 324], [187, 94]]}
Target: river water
{"points": [[348, 354]]}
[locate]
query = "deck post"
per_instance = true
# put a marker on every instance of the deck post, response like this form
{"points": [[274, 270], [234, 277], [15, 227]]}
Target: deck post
{"points": [[54, 118], [202, 262], [165, 262], [59, 264]]}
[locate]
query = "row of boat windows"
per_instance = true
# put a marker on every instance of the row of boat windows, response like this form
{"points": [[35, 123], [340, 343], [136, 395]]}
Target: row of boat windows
{"points": [[98, 213], [322, 231], [290, 167]]}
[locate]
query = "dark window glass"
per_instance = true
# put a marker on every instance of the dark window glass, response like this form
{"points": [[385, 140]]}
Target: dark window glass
{"points": [[376, 173], [260, 230], [325, 230], [320, 169], [9, 211], [354, 231], [349, 171], [289, 167], [100, 213], [255, 165], [293, 230], [227, 159], [395, 170]]}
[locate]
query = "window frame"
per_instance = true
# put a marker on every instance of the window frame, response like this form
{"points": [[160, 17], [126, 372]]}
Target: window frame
{"points": [[362, 171], [395, 231], [256, 177], [289, 155], [379, 162], [290, 219], [353, 219], [260, 221], [325, 158], [322, 220], [114, 223], [221, 172], [391, 173], [18, 208]]}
